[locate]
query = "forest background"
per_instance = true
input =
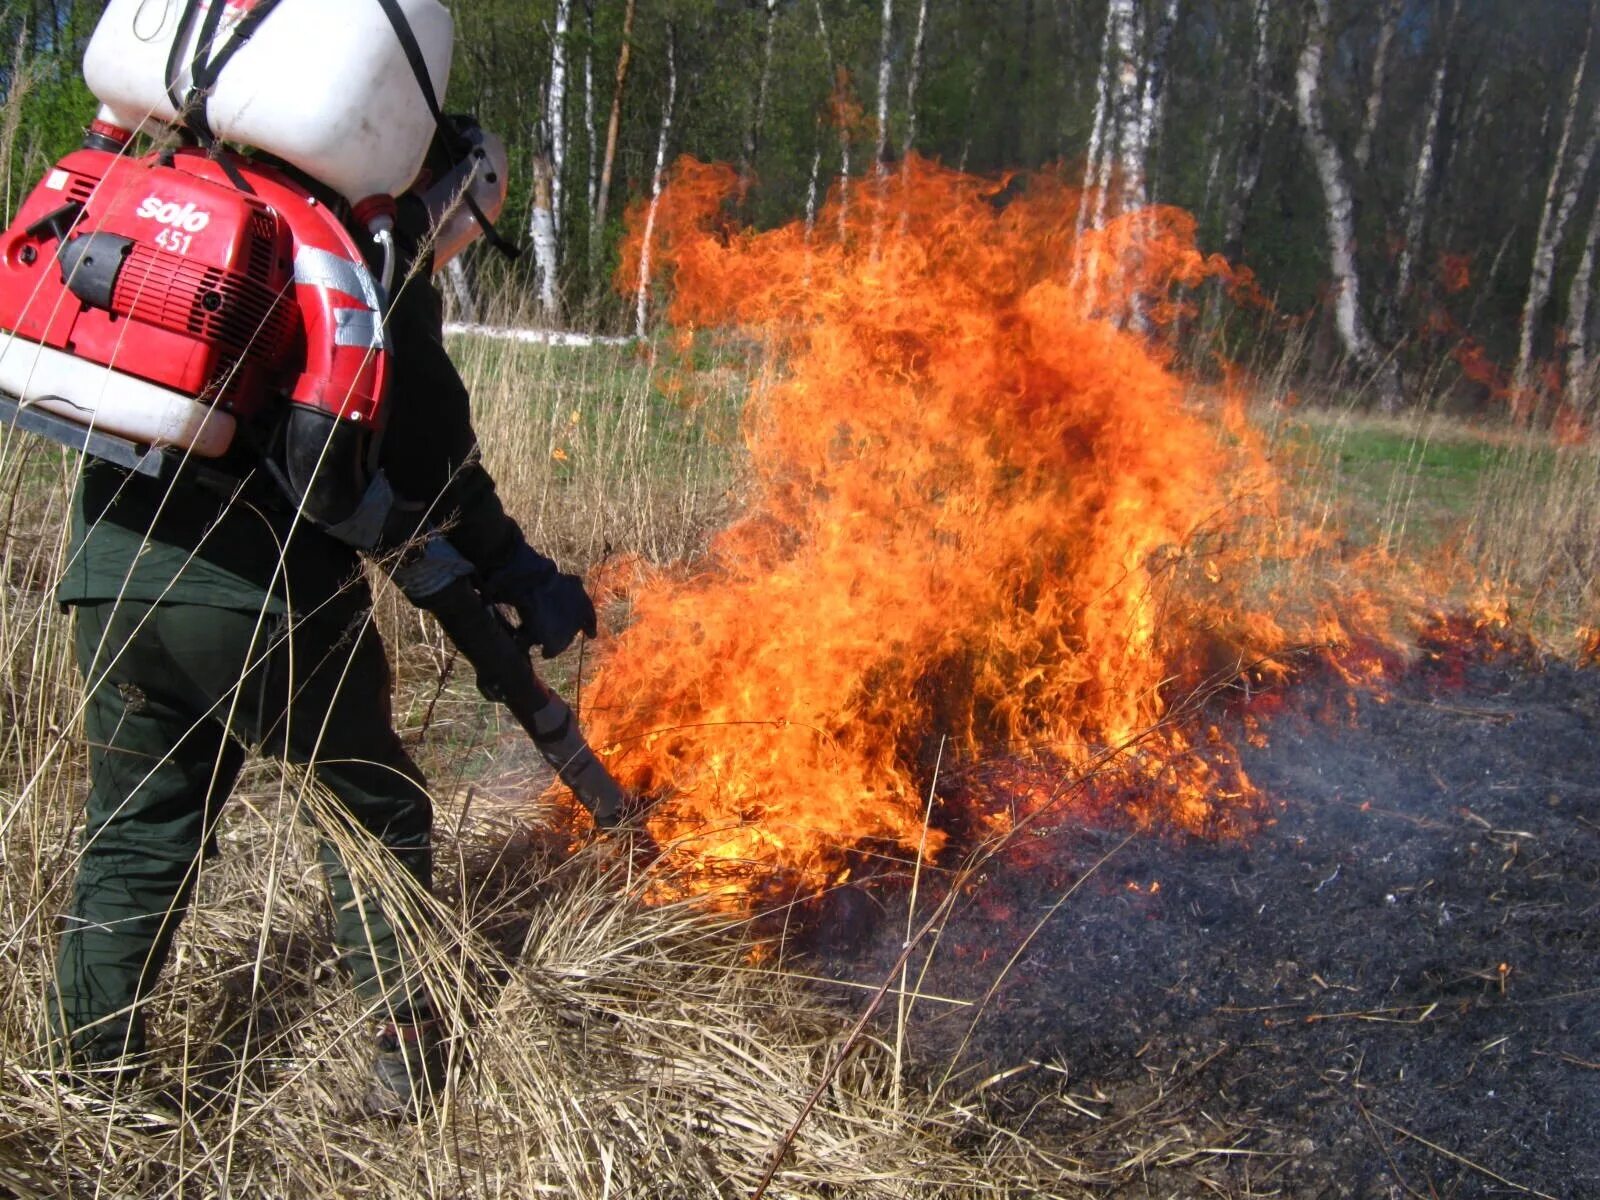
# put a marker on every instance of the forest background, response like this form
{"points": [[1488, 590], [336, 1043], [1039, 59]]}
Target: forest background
{"points": [[1414, 177]]}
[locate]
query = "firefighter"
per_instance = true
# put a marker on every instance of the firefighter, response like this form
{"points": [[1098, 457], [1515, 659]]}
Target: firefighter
{"points": [[208, 619]]}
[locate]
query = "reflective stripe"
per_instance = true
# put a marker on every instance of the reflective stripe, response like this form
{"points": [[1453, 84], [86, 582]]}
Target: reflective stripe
{"points": [[328, 272], [323, 269], [358, 327]]}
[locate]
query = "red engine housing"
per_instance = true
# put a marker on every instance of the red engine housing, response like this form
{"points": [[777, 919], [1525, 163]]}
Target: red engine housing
{"points": [[230, 285]]}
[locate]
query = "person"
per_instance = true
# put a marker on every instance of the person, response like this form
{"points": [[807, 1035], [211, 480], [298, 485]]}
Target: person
{"points": [[209, 619]]}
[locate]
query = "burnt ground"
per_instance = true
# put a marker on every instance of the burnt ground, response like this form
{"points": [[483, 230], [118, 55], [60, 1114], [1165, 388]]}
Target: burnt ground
{"points": [[1388, 989]]}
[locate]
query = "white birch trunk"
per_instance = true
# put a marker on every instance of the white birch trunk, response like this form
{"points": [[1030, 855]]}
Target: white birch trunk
{"points": [[914, 78], [1579, 387], [885, 44], [1558, 203], [542, 233], [758, 114], [1125, 105], [1247, 175], [844, 134], [1152, 100], [641, 309], [1389, 22], [811, 193], [1096, 167], [466, 305], [588, 107], [1422, 177], [556, 110], [1348, 319], [1097, 173]]}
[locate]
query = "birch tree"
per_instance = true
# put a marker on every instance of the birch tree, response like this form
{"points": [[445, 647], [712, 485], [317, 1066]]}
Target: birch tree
{"points": [[455, 274], [542, 233], [1097, 167], [588, 110], [1422, 175], [556, 111], [758, 110], [1388, 25], [836, 74], [549, 155], [1349, 320], [913, 77], [1561, 196], [885, 45], [1153, 92], [642, 302], [1579, 386], [1125, 104]]}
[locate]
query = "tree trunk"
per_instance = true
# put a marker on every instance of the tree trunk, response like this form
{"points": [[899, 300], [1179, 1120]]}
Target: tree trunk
{"points": [[556, 111], [1348, 318], [885, 44], [913, 78], [1389, 22], [613, 125], [758, 110], [1422, 177], [811, 191], [841, 85], [455, 273], [1247, 175], [1561, 195], [1125, 105], [542, 232], [588, 109], [641, 311], [1097, 167], [1578, 384], [1097, 173], [1152, 102]]}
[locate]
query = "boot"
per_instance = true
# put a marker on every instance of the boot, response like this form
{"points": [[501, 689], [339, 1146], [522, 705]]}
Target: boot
{"points": [[408, 1070]]}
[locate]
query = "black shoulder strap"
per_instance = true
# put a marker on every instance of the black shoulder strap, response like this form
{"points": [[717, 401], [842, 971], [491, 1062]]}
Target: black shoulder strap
{"points": [[205, 65], [206, 70], [419, 68], [191, 9]]}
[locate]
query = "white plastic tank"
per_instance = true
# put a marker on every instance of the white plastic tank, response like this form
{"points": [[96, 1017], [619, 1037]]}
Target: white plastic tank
{"points": [[97, 397], [322, 84]]}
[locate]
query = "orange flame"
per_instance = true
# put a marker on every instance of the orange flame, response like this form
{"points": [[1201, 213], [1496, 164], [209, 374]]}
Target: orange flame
{"points": [[979, 518]]}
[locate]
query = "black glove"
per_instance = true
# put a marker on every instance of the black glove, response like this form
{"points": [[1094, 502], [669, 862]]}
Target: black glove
{"points": [[553, 607]]}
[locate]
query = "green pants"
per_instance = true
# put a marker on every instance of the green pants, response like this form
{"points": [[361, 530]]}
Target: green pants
{"points": [[176, 693]]}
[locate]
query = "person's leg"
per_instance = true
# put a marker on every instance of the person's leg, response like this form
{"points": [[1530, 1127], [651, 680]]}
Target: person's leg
{"points": [[336, 719], [161, 763]]}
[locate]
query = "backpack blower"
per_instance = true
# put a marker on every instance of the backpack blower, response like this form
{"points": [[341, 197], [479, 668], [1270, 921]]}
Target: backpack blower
{"points": [[162, 308]]}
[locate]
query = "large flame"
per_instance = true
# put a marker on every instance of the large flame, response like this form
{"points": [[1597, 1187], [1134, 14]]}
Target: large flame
{"points": [[982, 515]]}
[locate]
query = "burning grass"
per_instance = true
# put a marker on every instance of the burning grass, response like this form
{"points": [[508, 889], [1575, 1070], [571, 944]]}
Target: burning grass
{"points": [[985, 516]]}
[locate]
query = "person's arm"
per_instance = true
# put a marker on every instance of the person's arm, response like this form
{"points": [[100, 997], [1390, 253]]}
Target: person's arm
{"points": [[429, 455]]}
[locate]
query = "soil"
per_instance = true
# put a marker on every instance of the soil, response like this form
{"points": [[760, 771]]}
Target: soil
{"points": [[1388, 988]]}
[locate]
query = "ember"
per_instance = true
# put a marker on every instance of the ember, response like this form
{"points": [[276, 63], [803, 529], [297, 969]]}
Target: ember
{"points": [[981, 520]]}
